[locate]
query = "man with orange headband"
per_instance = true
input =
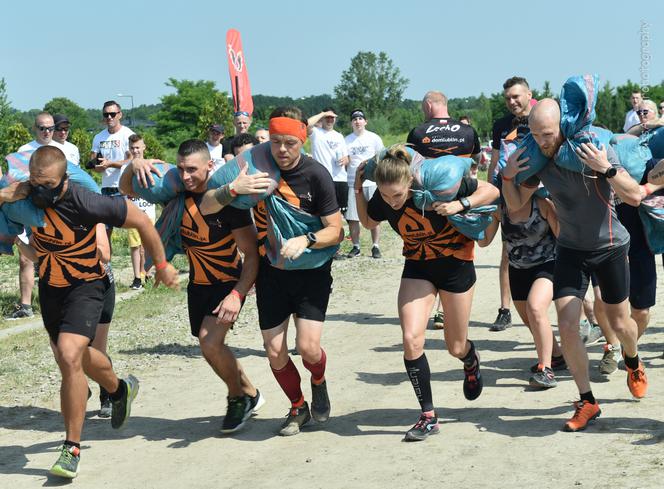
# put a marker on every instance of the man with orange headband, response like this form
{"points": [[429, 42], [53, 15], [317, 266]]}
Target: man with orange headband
{"points": [[303, 292]]}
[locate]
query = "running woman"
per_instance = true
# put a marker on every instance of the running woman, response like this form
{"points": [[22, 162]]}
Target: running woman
{"points": [[439, 262], [529, 234]]}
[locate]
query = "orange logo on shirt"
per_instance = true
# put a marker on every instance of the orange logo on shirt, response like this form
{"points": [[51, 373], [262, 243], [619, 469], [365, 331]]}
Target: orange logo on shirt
{"points": [[55, 231], [193, 224]]}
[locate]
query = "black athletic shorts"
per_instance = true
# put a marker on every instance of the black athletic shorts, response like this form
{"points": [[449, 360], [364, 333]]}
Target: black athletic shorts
{"points": [[280, 293], [109, 305], [203, 299], [341, 191], [445, 273], [522, 279], [573, 268], [642, 278], [74, 309]]}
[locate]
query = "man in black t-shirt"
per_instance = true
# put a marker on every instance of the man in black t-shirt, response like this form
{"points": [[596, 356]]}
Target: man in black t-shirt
{"points": [[513, 126], [72, 285], [442, 135]]}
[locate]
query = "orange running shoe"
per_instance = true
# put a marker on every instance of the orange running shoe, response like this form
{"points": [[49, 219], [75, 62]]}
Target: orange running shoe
{"points": [[584, 413], [637, 381]]}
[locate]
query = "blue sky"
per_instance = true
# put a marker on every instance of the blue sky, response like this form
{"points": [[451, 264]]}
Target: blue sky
{"points": [[89, 51]]}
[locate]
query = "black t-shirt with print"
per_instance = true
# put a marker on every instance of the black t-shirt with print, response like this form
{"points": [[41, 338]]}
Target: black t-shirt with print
{"points": [[66, 245], [208, 241], [509, 127], [426, 234], [444, 136]]}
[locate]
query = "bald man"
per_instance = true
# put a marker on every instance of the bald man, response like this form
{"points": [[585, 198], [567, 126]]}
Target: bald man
{"points": [[72, 285], [591, 240]]}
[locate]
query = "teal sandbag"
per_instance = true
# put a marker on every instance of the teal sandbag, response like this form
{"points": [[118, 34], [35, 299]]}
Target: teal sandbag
{"points": [[651, 212], [536, 162], [655, 140], [165, 187], [578, 99], [633, 154], [473, 222]]}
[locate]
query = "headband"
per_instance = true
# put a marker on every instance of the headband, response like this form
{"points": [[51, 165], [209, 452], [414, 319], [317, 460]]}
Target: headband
{"points": [[286, 126]]}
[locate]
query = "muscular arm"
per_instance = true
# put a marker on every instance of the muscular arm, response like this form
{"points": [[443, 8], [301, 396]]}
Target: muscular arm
{"points": [[103, 246], [516, 196], [246, 240], [490, 231], [548, 211], [314, 119], [626, 188], [656, 175], [27, 250]]}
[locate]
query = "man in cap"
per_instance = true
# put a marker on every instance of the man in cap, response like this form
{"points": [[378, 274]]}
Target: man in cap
{"points": [[60, 135], [215, 146]]}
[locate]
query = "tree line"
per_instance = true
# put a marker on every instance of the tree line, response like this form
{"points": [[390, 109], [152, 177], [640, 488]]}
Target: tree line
{"points": [[371, 82]]}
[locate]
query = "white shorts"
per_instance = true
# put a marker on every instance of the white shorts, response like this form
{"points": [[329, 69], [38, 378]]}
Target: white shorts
{"points": [[368, 190]]}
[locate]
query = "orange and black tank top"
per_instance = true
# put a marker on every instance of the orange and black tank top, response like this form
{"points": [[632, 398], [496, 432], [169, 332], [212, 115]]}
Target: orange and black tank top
{"points": [[426, 235], [67, 244], [208, 241]]}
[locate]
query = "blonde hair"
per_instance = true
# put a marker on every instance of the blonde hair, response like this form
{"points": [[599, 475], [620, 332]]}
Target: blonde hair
{"points": [[394, 166]]}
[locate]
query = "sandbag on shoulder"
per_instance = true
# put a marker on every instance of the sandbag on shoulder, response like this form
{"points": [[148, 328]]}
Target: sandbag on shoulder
{"points": [[165, 187], [473, 222], [633, 154], [537, 161], [655, 140], [257, 159], [651, 212]]}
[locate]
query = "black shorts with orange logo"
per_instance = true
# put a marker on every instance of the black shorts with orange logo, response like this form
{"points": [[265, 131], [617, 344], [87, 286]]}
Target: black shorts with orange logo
{"points": [[445, 273], [203, 299], [280, 293], [75, 309]]}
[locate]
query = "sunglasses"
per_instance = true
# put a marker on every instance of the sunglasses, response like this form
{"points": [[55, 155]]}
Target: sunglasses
{"points": [[46, 128], [642, 112], [241, 112], [110, 115], [62, 128]]}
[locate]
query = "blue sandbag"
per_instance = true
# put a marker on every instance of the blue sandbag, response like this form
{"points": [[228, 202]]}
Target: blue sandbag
{"points": [[633, 154], [473, 222], [537, 160], [165, 187], [578, 99], [655, 140], [651, 212]]}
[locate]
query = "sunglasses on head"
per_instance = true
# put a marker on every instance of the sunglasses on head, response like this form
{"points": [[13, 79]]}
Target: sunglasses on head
{"points": [[241, 112], [642, 112], [110, 115], [46, 128]]}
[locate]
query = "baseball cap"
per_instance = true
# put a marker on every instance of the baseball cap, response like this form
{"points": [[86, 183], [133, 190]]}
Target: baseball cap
{"points": [[217, 127], [357, 113], [60, 119]]}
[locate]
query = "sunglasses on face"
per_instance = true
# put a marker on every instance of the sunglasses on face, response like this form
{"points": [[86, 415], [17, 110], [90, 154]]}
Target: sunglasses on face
{"points": [[642, 112], [110, 115], [46, 128], [62, 128]]}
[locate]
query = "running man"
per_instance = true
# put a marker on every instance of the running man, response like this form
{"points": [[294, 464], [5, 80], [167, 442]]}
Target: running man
{"points": [[439, 262], [218, 279], [597, 243], [72, 284], [301, 293]]}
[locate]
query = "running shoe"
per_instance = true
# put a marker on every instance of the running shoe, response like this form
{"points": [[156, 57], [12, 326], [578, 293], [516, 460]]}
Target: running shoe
{"points": [[21, 311], [320, 402], [237, 413], [584, 412], [355, 251], [503, 320], [637, 382], [439, 320], [256, 402], [121, 409], [584, 330], [295, 419], [375, 253], [338, 256], [68, 462], [594, 335], [136, 284], [425, 426], [609, 362], [557, 364], [544, 378], [473, 382], [106, 408]]}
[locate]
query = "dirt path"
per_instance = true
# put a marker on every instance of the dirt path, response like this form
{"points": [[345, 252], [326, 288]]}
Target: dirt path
{"points": [[509, 437]]}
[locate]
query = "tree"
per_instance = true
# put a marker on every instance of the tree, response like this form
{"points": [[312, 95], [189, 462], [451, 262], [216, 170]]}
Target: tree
{"points": [[153, 148], [75, 113], [15, 136], [216, 110], [372, 83], [179, 117], [80, 138]]}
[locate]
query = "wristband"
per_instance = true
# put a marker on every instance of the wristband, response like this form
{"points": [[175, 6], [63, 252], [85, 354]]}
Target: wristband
{"points": [[161, 266], [507, 179], [237, 294], [647, 189], [232, 191], [223, 195]]}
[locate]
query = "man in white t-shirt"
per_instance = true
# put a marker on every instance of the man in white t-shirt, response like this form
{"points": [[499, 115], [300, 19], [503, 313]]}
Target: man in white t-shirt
{"points": [[60, 135], [110, 148], [631, 118], [329, 149], [362, 145], [137, 150], [215, 146], [43, 129]]}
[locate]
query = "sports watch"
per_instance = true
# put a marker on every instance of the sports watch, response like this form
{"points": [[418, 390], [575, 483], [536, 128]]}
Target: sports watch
{"points": [[611, 172], [465, 203], [311, 239]]}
